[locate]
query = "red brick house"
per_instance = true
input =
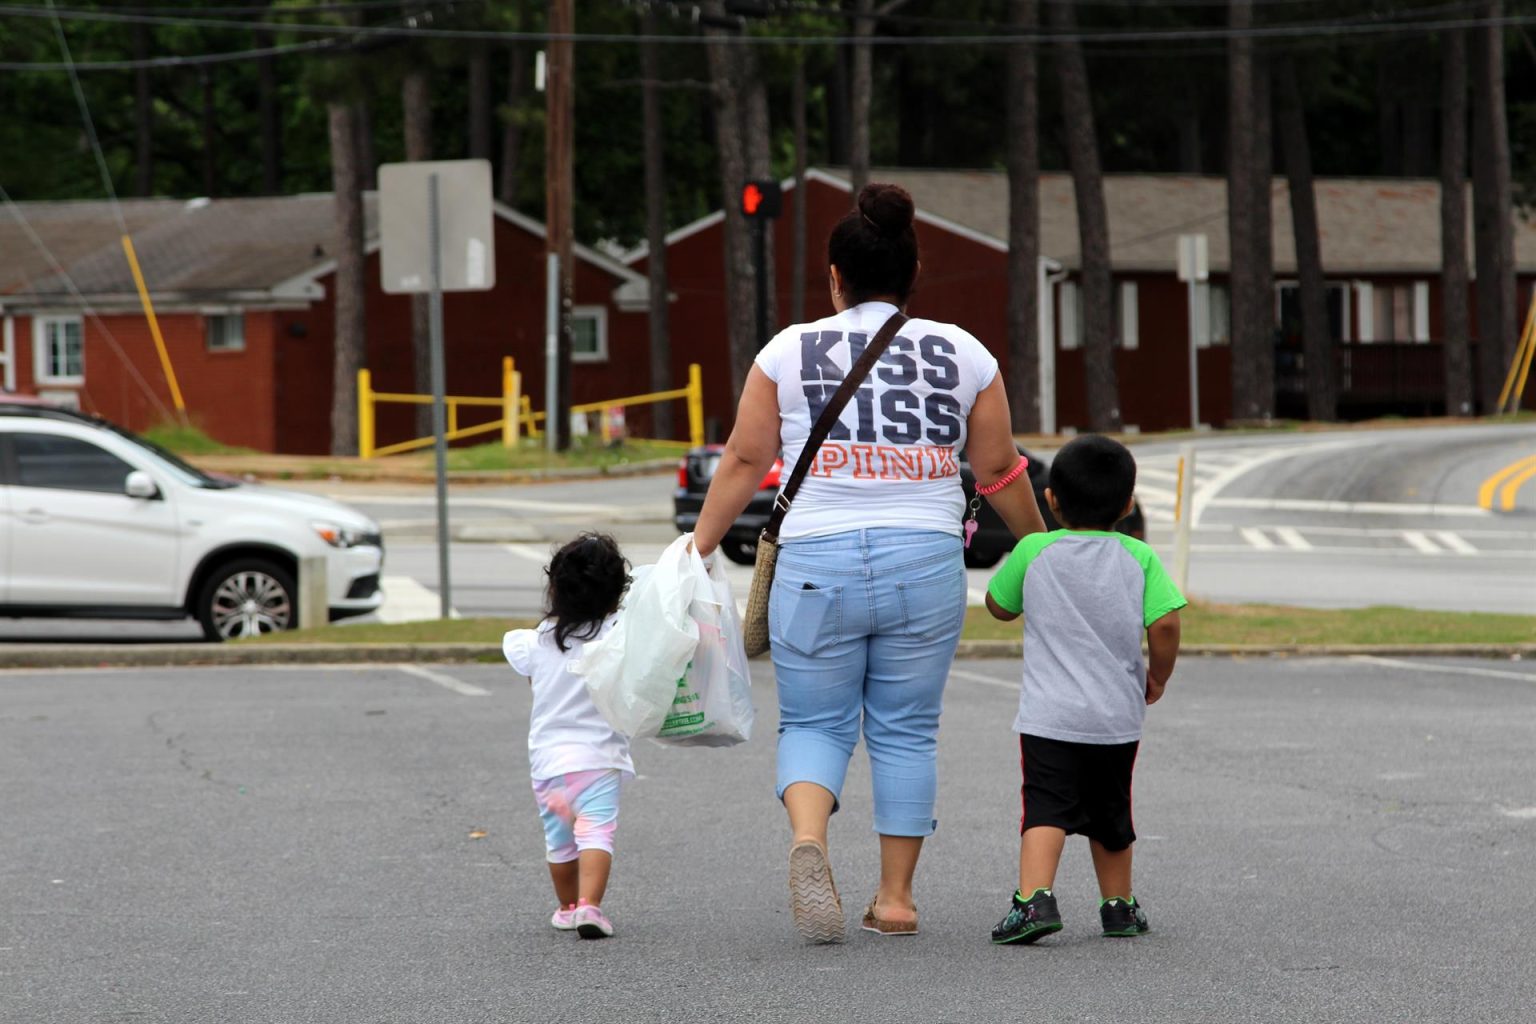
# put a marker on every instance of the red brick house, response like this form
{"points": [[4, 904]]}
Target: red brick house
{"points": [[1380, 249], [243, 293]]}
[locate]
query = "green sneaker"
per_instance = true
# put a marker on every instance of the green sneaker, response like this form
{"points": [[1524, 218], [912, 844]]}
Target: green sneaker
{"points": [[1123, 918], [1029, 919]]}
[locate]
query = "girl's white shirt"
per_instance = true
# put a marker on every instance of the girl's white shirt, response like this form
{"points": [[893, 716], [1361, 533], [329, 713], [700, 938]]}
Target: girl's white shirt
{"points": [[566, 732]]}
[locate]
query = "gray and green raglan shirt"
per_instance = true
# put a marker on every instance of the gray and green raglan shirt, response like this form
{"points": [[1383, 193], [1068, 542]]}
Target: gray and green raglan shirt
{"points": [[1087, 598]]}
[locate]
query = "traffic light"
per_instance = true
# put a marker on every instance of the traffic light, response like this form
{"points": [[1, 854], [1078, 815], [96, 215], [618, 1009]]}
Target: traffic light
{"points": [[761, 199]]}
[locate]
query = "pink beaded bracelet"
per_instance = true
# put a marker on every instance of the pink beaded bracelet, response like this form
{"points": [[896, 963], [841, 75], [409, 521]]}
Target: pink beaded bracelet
{"points": [[1010, 477]]}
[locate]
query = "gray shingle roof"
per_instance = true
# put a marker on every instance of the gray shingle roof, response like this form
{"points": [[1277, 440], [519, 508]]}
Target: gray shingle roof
{"points": [[1366, 225]]}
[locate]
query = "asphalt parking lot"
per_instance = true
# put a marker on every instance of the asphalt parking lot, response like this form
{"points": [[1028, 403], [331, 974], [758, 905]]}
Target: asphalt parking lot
{"points": [[1322, 840]]}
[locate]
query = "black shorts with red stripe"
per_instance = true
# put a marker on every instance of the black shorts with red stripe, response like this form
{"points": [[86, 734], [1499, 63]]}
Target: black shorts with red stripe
{"points": [[1081, 788]]}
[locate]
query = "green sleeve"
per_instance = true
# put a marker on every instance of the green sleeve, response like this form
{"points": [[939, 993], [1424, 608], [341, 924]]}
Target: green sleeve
{"points": [[1160, 595], [1007, 585]]}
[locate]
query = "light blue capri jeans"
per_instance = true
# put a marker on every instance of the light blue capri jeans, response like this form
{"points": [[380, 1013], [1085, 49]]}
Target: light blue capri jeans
{"points": [[864, 627]]}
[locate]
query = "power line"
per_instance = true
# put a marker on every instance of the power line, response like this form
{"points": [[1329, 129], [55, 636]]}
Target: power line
{"points": [[90, 125]]}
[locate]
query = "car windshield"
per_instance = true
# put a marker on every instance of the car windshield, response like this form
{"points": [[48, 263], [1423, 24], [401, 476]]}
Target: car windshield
{"points": [[188, 472]]}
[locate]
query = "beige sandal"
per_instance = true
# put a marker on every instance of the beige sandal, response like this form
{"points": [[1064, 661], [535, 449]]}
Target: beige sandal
{"points": [[880, 926], [813, 896]]}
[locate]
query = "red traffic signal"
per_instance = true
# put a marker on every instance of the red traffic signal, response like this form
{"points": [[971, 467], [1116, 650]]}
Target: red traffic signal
{"points": [[761, 199]]}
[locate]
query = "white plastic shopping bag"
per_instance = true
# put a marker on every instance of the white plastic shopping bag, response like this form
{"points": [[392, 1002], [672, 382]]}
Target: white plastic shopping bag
{"points": [[713, 702], [632, 671]]}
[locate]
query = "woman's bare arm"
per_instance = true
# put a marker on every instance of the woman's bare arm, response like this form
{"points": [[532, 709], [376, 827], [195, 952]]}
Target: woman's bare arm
{"points": [[990, 449], [749, 454]]}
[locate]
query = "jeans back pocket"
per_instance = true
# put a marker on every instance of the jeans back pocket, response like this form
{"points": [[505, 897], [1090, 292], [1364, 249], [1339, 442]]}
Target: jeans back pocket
{"points": [[804, 618], [933, 609]]}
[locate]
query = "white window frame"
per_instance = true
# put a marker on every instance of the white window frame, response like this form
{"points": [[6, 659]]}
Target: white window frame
{"points": [[42, 360], [1365, 302], [1130, 316], [1421, 311], [599, 314], [1205, 301], [8, 354], [212, 313], [1069, 323]]}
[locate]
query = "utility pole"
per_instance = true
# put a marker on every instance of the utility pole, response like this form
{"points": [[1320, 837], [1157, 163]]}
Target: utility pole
{"points": [[560, 120]]}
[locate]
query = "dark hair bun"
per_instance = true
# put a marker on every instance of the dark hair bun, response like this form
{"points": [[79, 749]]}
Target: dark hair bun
{"points": [[887, 208]]}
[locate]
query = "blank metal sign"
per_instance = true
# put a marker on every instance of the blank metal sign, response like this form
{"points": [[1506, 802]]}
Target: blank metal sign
{"points": [[465, 226]]}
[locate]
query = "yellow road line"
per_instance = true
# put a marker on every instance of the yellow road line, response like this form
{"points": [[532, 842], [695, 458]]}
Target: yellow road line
{"points": [[1509, 479]]}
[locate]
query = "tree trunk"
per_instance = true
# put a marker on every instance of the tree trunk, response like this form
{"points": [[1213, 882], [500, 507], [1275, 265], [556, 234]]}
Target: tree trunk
{"points": [[1497, 328], [1317, 338], [559, 152], [210, 134], [656, 225], [1191, 142], [797, 225], [1024, 298], [1455, 329], [1092, 227], [511, 126], [479, 86], [859, 101], [143, 118], [1242, 217], [269, 112], [367, 155], [838, 105], [416, 112], [741, 300], [1263, 238], [350, 329]]}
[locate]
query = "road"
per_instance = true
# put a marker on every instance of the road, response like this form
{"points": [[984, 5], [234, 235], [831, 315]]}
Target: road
{"points": [[1330, 519], [1321, 840]]}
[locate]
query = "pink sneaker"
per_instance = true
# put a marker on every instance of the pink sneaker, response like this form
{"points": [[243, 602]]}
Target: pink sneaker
{"points": [[591, 922], [564, 919]]}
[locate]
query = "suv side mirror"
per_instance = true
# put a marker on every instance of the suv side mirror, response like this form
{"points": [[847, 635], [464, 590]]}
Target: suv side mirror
{"points": [[141, 485]]}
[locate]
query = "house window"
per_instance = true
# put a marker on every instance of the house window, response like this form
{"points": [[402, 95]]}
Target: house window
{"points": [[589, 334], [226, 331], [1130, 315], [60, 350], [1213, 315], [1071, 321], [1394, 312]]}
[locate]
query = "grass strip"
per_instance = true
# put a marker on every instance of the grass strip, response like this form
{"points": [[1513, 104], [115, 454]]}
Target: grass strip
{"points": [[1203, 623]]}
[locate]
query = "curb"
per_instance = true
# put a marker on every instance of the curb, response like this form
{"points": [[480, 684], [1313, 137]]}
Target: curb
{"points": [[48, 656]]}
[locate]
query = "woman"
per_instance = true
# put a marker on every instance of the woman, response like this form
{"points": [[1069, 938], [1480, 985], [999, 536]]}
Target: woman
{"points": [[870, 591]]}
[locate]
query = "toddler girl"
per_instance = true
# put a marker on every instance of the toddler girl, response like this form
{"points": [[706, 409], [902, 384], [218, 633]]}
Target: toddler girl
{"points": [[576, 758]]}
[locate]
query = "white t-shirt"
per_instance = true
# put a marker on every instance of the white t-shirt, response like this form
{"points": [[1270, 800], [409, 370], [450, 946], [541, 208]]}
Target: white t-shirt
{"points": [[893, 459], [566, 732]]}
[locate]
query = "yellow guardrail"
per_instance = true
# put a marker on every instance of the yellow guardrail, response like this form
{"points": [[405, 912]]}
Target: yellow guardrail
{"points": [[517, 414]]}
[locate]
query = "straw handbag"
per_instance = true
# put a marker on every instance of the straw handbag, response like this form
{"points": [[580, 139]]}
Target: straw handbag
{"points": [[754, 625]]}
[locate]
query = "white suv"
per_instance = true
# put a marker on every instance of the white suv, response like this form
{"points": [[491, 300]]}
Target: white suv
{"points": [[97, 522]]}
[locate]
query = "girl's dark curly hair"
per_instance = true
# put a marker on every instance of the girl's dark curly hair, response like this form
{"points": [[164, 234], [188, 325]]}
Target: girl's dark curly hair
{"points": [[874, 246], [587, 579]]}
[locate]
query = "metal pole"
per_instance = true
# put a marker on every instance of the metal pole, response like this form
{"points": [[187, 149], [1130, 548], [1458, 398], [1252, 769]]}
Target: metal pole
{"points": [[439, 387], [760, 257], [551, 350], [1184, 516], [1046, 348], [1194, 363]]}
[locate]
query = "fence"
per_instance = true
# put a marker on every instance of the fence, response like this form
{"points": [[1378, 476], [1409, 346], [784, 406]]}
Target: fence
{"points": [[517, 414]]}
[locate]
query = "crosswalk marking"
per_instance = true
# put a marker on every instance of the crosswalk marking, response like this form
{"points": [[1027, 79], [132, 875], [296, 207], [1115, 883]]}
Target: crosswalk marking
{"points": [[405, 600], [1453, 541], [1256, 538], [1422, 543], [1292, 538]]}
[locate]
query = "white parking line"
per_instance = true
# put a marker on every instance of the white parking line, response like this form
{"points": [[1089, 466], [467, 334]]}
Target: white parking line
{"points": [[1465, 670], [977, 677], [1292, 538], [1454, 541], [1256, 538], [1422, 543], [532, 552], [460, 687]]}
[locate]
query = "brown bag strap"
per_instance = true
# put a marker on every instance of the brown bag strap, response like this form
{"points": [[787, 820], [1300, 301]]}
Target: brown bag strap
{"points": [[829, 414]]}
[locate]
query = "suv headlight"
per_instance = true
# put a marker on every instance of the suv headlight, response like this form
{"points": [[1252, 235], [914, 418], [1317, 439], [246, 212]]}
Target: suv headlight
{"points": [[338, 536]]}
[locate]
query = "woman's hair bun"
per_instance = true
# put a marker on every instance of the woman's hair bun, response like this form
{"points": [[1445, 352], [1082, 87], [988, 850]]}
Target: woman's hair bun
{"points": [[887, 208]]}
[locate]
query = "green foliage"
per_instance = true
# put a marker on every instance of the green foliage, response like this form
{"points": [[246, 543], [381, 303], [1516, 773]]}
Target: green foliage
{"points": [[186, 439]]}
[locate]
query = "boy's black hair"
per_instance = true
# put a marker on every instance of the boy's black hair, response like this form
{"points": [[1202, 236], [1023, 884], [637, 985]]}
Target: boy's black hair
{"points": [[1092, 478], [587, 579]]}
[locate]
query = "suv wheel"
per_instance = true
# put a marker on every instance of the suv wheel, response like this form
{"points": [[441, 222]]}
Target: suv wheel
{"points": [[742, 552], [247, 597]]}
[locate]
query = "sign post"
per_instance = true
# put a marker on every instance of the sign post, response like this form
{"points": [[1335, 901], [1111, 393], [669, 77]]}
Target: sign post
{"points": [[1194, 268], [761, 201], [436, 235]]}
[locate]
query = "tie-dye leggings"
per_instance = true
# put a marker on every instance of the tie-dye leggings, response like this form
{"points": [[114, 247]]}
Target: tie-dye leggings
{"points": [[579, 810]]}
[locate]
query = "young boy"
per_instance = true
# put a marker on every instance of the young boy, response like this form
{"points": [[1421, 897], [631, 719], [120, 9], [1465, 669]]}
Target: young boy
{"points": [[1086, 594]]}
